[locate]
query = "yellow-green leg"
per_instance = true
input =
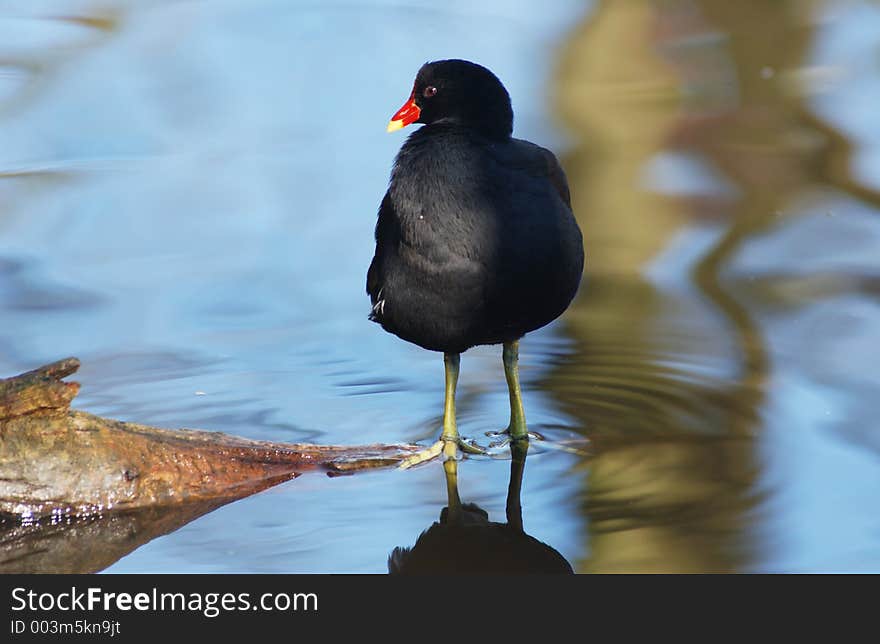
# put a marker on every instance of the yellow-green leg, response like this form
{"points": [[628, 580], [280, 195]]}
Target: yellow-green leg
{"points": [[517, 427], [449, 441], [452, 363]]}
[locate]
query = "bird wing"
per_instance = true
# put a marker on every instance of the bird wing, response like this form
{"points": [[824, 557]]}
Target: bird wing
{"points": [[386, 232], [537, 162]]}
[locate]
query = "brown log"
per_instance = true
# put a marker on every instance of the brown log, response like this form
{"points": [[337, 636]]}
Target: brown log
{"points": [[39, 392], [78, 491], [55, 462]]}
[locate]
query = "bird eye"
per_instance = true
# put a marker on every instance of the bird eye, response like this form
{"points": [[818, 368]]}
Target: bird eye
{"points": [[429, 91]]}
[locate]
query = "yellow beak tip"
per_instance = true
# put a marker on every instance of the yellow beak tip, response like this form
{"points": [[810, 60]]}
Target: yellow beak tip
{"points": [[393, 126]]}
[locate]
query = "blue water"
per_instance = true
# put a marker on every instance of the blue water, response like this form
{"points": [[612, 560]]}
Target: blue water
{"points": [[187, 198]]}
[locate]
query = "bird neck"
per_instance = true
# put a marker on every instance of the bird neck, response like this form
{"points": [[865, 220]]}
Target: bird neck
{"points": [[491, 131]]}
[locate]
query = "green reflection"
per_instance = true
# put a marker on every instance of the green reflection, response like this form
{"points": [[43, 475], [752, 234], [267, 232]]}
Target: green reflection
{"points": [[669, 384]]}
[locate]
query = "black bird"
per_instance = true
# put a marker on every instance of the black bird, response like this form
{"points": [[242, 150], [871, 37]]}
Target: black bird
{"points": [[476, 242]]}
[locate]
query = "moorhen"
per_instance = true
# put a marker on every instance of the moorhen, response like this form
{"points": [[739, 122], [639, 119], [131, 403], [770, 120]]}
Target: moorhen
{"points": [[476, 242]]}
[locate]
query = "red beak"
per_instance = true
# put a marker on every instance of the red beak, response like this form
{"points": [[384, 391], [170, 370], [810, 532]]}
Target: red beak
{"points": [[407, 114]]}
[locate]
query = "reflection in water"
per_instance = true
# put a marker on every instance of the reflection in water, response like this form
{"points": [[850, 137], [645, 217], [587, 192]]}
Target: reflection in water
{"points": [[464, 541], [657, 385], [720, 357], [670, 380], [74, 546]]}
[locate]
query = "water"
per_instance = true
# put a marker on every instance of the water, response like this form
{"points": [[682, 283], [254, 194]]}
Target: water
{"points": [[187, 197]]}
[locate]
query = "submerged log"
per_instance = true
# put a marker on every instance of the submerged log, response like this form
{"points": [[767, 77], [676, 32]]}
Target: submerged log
{"points": [[57, 462]]}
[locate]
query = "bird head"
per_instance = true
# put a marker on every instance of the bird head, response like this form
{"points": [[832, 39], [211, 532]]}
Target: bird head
{"points": [[461, 92]]}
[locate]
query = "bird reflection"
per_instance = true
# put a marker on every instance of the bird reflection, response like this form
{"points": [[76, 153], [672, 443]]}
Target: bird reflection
{"points": [[465, 541]]}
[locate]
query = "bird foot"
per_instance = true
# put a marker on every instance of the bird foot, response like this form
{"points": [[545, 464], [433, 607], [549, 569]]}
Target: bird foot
{"points": [[447, 447], [505, 437], [571, 445]]}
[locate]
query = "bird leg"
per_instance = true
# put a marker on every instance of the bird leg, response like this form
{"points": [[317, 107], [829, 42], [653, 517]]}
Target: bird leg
{"points": [[517, 429], [450, 441], [451, 361]]}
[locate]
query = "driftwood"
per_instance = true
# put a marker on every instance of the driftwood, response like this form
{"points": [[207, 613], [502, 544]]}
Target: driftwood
{"points": [[65, 474], [55, 461]]}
